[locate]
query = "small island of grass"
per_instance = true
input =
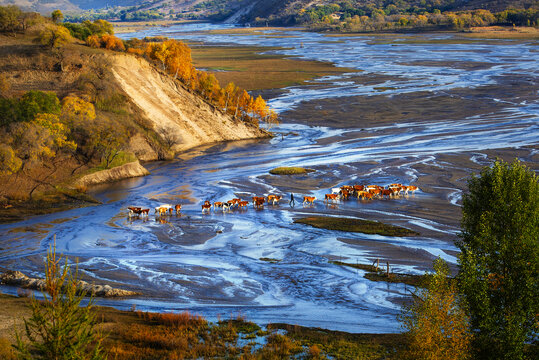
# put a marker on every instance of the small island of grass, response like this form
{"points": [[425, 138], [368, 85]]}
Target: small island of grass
{"points": [[285, 170], [355, 225]]}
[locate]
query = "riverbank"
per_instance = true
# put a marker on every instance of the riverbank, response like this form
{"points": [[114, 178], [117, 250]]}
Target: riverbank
{"points": [[134, 333]]}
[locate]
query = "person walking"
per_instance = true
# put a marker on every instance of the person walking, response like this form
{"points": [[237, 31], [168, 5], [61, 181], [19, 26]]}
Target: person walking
{"points": [[292, 202]]}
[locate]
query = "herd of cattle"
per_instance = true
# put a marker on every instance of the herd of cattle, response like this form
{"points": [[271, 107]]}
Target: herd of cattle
{"points": [[344, 192]]}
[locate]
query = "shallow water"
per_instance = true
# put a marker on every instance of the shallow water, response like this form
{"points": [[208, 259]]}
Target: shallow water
{"points": [[210, 263]]}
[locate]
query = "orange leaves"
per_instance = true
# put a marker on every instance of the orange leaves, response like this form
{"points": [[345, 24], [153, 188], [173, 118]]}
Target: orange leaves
{"points": [[93, 41], [109, 42], [174, 57]]}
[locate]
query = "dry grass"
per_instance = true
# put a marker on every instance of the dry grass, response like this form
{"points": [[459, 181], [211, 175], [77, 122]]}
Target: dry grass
{"points": [[133, 26], [140, 335], [286, 170], [253, 71], [504, 32]]}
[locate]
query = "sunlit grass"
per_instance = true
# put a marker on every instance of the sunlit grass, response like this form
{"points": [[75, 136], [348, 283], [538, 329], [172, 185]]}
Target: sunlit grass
{"points": [[249, 69], [285, 170], [355, 225]]}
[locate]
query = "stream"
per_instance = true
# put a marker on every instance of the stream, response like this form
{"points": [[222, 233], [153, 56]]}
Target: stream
{"points": [[461, 104]]}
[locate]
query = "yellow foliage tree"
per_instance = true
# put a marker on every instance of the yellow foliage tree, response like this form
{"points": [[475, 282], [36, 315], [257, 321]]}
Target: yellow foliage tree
{"points": [[93, 41], [76, 111], [9, 162], [57, 130], [54, 36], [437, 327]]}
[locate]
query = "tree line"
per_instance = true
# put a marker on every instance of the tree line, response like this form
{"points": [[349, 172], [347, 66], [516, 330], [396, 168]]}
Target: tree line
{"points": [[37, 129], [174, 57], [348, 17], [490, 310]]}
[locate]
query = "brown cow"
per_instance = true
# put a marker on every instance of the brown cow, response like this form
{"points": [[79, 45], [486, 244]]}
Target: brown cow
{"points": [[133, 210], [217, 204], [359, 188], [274, 199], [345, 194], [309, 199], [243, 204], [387, 193], [258, 203], [206, 207], [374, 192], [411, 188], [259, 198], [363, 194], [178, 208], [332, 197]]}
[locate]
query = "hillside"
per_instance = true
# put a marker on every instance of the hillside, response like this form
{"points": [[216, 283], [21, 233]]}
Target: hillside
{"points": [[70, 110]]}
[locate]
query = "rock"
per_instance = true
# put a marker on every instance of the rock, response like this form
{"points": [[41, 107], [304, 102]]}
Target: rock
{"points": [[17, 278]]}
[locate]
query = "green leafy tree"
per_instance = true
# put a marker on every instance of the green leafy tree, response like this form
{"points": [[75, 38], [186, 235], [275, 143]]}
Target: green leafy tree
{"points": [[436, 325], [59, 327], [57, 16], [36, 102], [499, 273]]}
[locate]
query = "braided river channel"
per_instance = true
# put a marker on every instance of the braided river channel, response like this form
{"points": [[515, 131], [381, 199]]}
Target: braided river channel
{"points": [[424, 109]]}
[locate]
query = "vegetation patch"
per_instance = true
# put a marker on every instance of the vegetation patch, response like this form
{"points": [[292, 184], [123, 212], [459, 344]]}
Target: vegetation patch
{"points": [[355, 225], [285, 170], [251, 70], [378, 274], [273, 261], [327, 344]]}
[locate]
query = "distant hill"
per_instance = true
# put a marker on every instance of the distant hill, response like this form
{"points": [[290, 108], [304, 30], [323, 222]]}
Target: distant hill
{"points": [[44, 7], [285, 12]]}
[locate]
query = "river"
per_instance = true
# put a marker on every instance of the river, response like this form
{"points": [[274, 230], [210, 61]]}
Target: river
{"points": [[427, 110]]}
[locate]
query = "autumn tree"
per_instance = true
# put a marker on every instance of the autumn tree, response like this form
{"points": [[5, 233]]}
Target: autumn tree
{"points": [[110, 140], [54, 36], [10, 18], [79, 116], [99, 27], [93, 41], [57, 16], [9, 162], [57, 130], [111, 42], [435, 323], [499, 260]]}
